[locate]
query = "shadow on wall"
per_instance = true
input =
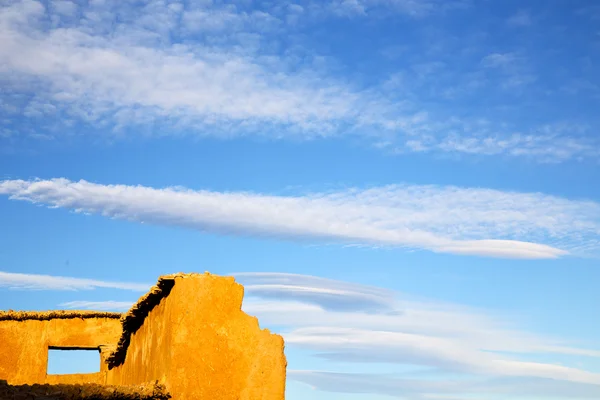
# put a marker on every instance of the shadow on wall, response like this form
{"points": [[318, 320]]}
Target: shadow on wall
{"points": [[88, 391], [187, 335]]}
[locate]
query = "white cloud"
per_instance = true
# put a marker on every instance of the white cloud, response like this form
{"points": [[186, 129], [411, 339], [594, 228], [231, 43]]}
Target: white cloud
{"points": [[350, 344], [95, 76], [412, 8], [327, 293], [395, 312], [64, 7], [98, 305], [441, 340], [346, 8], [228, 20], [520, 18], [111, 66], [517, 72], [547, 149], [15, 280], [442, 219], [415, 388], [499, 60]]}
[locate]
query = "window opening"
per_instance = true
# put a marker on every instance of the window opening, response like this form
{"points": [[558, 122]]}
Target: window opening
{"points": [[73, 360]]}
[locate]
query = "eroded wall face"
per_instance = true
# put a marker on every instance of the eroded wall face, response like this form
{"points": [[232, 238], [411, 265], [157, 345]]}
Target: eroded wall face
{"points": [[149, 353], [24, 346], [200, 344]]}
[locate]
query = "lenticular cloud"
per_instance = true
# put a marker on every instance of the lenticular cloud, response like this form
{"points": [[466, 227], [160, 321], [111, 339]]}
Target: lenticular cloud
{"points": [[440, 219]]}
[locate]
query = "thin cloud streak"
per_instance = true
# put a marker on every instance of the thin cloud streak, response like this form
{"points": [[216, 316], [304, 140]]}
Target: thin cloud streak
{"points": [[429, 336], [326, 293], [109, 305], [435, 319], [395, 312], [440, 219], [347, 345], [409, 387], [13, 280]]}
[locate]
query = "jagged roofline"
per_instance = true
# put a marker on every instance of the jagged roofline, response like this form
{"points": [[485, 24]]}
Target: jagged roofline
{"points": [[131, 321], [11, 315], [134, 318]]}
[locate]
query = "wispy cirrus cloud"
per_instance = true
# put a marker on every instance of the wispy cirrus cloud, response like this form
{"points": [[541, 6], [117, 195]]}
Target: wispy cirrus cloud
{"points": [[126, 77], [326, 293], [399, 313], [14, 280], [370, 345], [514, 67], [211, 69], [413, 8], [499, 60], [547, 149], [454, 220], [521, 18], [415, 388], [109, 305], [453, 350]]}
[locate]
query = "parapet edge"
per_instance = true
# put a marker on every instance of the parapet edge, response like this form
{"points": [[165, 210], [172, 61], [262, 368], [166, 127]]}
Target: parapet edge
{"points": [[133, 319], [12, 315]]}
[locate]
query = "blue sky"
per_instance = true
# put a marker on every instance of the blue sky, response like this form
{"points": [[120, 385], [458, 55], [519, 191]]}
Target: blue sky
{"points": [[408, 189]]}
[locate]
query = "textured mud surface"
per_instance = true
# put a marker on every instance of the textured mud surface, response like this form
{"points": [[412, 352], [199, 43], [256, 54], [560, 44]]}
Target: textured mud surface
{"points": [[189, 333], [82, 392], [133, 319], [59, 314]]}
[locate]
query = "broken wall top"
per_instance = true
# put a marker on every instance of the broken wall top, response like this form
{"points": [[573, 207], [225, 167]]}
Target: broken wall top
{"points": [[11, 315], [133, 319]]}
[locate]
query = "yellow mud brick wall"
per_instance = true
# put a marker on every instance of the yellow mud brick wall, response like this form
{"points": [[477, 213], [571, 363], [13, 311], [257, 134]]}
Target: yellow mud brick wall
{"points": [[24, 346], [199, 343]]}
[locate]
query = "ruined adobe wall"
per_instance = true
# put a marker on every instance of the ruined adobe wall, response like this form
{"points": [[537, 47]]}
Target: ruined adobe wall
{"points": [[144, 352], [25, 337], [199, 343]]}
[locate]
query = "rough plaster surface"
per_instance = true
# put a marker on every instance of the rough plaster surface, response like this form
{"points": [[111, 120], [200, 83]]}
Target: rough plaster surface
{"points": [[188, 334], [24, 345], [199, 343], [133, 319]]}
